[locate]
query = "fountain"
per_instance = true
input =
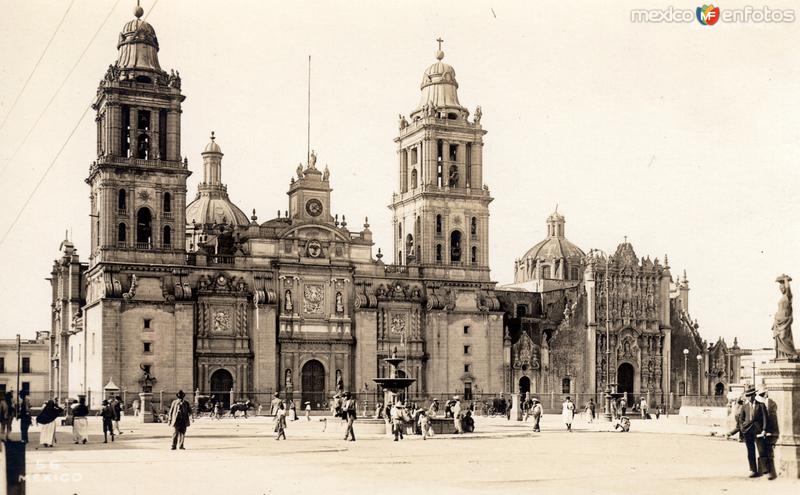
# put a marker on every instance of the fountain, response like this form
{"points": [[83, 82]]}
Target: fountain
{"points": [[394, 384]]}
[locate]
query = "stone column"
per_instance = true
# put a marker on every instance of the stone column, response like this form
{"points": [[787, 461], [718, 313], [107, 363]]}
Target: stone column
{"points": [[782, 379], [146, 411], [516, 410]]}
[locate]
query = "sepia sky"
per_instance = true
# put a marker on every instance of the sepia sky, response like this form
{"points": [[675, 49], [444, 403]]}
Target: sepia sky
{"points": [[683, 137]]}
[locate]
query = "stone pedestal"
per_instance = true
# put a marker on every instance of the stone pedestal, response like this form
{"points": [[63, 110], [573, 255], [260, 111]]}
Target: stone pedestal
{"points": [[782, 379], [516, 409], [146, 411]]}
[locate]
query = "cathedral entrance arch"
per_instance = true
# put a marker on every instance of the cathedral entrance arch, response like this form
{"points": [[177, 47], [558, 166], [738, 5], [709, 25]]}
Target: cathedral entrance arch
{"points": [[221, 383], [719, 389], [313, 383], [524, 386], [625, 374]]}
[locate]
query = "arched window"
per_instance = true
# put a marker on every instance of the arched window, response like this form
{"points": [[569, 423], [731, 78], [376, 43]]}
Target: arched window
{"points": [[473, 227], [575, 274], [400, 231], [143, 147], [144, 230], [122, 200], [438, 225], [455, 246], [546, 272], [414, 179], [565, 386], [166, 240], [409, 248], [438, 253], [167, 203], [122, 234], [474, 256]]}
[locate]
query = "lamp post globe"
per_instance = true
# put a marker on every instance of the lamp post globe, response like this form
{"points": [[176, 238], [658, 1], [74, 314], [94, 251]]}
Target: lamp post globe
{"points": [[685, 372]]}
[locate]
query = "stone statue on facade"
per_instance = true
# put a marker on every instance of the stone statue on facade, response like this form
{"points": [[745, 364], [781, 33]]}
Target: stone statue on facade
{"points": [[300, 174], [478, 114], [287, 303], [782, 325], [339, 303], [147, 380]]}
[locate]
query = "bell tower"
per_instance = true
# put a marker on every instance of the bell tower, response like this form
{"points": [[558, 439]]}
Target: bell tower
{"points": [[138, 181], [441, 212]]}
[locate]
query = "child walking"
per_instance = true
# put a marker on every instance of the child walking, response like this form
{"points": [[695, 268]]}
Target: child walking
{"points": [[108, 417]]}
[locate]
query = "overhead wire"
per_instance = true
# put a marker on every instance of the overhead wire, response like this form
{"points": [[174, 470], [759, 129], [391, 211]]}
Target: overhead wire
{"points": [[36, 66]]}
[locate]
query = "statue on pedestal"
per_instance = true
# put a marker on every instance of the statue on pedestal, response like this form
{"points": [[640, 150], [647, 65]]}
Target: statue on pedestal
{"points": [[782, 326]]}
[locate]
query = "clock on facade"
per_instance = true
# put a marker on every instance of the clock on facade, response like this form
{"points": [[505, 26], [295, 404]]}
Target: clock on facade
{"points": [[314, 207]]}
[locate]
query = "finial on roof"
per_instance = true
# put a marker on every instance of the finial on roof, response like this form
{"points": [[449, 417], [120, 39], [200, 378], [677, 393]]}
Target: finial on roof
{"points": [[138, 11], [439, 52], [212, 136]]}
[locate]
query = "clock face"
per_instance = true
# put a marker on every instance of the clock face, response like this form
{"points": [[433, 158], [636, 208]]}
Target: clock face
{"points": [[314, 207]]}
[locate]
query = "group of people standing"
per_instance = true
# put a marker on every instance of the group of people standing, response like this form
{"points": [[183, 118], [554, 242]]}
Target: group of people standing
{"points": [[757, 426]]}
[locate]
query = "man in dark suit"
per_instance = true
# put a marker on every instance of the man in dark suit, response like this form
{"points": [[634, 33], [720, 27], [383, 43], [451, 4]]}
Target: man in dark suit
{"points": [[766, 443], [752, 419]]}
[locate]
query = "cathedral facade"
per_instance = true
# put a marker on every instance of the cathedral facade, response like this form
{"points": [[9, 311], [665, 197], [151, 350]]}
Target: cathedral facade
{"points": [[204, 298], [201, 296]]}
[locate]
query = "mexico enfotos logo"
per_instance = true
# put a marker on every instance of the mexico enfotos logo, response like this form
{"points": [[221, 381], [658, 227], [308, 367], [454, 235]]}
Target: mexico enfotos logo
{"points": [[709, 15]]}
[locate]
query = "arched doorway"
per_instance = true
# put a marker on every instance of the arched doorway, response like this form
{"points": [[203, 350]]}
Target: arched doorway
{"points": [[524, 386], [625, 375], [221, 385], [313, 383], [719, 389]]}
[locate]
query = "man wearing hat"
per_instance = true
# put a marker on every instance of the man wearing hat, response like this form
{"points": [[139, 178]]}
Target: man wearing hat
{"points": [[434, 409], [349, 408], [180, 414], [457, 415], [275, 403], [752, 418], [766, 442], [537, 414]]}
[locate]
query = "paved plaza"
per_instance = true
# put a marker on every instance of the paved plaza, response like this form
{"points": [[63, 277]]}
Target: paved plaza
{"points": [[241, 456]]}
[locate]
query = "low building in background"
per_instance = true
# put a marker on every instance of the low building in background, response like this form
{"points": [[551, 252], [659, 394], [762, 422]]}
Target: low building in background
{"points": [[33, 362]]}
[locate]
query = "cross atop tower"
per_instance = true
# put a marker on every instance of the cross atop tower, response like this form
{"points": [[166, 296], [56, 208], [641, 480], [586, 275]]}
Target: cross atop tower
{"points": [[440, 41]]}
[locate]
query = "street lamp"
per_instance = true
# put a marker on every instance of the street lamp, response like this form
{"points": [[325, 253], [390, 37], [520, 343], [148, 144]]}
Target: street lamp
{"points": [[699, 372], [685, 373], [607, 397], [754, 372]]}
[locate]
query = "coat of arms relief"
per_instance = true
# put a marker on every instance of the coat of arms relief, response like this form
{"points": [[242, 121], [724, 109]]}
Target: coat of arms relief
{"points": [[313, 298]]}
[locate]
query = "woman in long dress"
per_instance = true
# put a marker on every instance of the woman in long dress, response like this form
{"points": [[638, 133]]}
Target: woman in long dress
{"points": [[47, 418], [568, 413], [80, 425]]}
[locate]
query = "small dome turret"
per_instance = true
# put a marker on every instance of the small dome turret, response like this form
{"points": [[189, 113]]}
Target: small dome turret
{"points": [[553, 258]]}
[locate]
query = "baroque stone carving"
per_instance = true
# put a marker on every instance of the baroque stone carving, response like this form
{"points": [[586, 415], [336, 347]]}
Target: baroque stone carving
{"points": [[314, 296], [222, 321]]}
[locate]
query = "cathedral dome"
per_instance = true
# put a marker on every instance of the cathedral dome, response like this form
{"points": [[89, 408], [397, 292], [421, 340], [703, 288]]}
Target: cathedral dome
{"points": [[214, 209], [538, 261], [138, 45], [212, 204]]}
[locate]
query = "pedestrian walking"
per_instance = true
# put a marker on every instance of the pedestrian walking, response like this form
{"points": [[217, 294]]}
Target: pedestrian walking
{"points": [[136, 406], [80, 425], [568, 413], [537, 414], [308, 410], [769, 437], [47, 419], [25, 417], [273, 405], [6, 414], [425, 425], [107, 413], [752, 418], [117, 406], [456, 409], [397, 414], [349, 407], [180, 417], [643, 408], [737, 411], [280, 422]]}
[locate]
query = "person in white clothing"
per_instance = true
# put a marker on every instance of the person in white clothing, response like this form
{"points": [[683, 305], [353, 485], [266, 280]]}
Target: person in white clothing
{"points": [[568, 413]]}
